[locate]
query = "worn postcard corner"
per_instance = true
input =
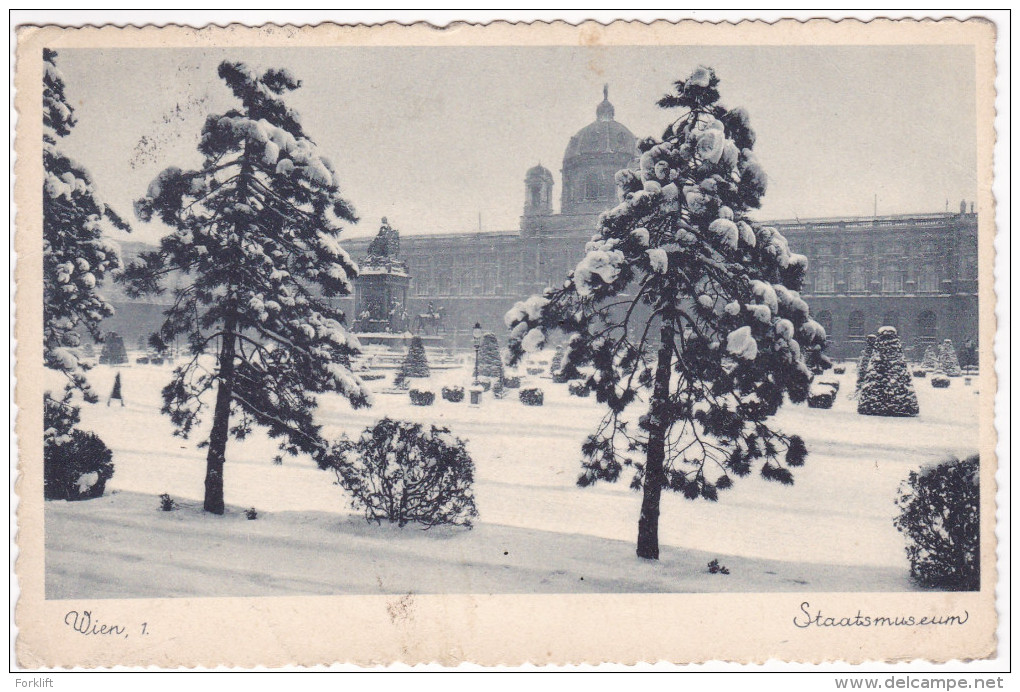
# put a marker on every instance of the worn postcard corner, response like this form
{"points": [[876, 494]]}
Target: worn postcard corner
{"points": [[505, 344]]}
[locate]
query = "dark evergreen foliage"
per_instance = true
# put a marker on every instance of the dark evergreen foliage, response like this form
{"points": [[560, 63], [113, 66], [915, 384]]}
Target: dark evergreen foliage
{"points": [[686, 306], [940, 509], [512, 382], [532, 396], [939, 380], [490, 362], [406, 473], [77, 469], [948, 362], [76, 257], [416, 363], [931, 359], [821, 397], [113, 352], [255, 234], [453, 394], [863, 362], [580, 389], [420, 397], [887, 389]]}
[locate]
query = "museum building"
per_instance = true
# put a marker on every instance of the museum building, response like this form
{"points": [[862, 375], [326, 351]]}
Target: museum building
{"points": [[916, 272]]}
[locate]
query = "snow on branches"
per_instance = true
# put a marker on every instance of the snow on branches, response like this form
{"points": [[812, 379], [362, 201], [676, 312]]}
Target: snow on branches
{"points": [[256, 229], [683, 301], [76, 256]]}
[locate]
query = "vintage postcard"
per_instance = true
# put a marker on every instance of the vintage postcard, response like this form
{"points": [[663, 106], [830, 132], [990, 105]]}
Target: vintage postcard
{"points": [[505, 344]]}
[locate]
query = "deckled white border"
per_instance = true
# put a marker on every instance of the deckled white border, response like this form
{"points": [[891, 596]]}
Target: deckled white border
{"points": [[1001, 188]]}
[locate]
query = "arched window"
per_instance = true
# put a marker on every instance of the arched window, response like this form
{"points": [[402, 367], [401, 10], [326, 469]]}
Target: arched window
{"points": [[927, 327], [855, 325], [824, 318], [536, 195], [825, 280], [591, 187], [858, 280], [891, 319]]}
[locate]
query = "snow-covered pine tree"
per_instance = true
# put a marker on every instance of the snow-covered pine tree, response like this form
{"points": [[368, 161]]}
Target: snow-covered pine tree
{"points": [[490, 361], [931, 359], [682, 301], [888, 389], [76, 257], [256, 227], [948, 362], [863, 361], [416, 363]]}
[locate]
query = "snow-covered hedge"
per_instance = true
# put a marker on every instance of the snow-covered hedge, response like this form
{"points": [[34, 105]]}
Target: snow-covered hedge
{"points": [[453, 394], [406, 473], [920, 372], [939, 381], [512, 382], [839, 369], [821, 396], [420, 397], [939, 515], [533, 396], [830, 383], [77, 469], [578, 388]]}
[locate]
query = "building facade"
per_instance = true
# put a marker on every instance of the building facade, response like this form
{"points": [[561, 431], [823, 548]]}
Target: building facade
{"points": [[916, 272]]}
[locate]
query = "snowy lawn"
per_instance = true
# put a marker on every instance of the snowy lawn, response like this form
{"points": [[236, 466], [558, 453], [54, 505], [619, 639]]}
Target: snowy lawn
{"points": [[537, 531]]}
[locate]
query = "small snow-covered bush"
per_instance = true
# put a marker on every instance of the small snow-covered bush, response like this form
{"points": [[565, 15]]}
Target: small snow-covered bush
{"points": [[251, 514], [166, 503], [453, 394], [416, 363], [715, 568], [821, 395], [406, 473], [78, 469], [578, 388], [940, 517], [533, 396], [839, 369], [371, 376], [920, 372], [939, 381], [830, 383], [512, 382], [420, 397], [498, 389], [483, 384], [534, 371]]}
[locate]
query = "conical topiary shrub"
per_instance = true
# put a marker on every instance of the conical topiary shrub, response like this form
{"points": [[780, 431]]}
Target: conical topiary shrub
{"points": [[862, 363], [931, 358], [490, 362], [557, 360], [416, 364], [113, 352], [887, 389], [947, 359]]}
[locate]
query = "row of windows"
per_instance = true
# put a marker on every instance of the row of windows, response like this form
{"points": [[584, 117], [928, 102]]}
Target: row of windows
{"points": [[893, 280], [925, 323]]}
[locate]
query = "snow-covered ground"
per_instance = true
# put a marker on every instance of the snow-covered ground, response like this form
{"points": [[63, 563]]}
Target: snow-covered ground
{"points": [[537, 531]]}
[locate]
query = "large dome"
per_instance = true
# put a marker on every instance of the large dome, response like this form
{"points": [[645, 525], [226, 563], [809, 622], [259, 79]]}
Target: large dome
{"points": [[592, 158]]}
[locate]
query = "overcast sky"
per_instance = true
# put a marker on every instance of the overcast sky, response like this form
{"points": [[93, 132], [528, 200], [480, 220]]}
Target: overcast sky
{"points": [[433, 137]]}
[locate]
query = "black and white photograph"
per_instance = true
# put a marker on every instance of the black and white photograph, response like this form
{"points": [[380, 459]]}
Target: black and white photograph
{"points": [[439, 320]]}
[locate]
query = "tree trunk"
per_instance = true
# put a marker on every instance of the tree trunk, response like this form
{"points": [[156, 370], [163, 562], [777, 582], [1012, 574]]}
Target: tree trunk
{"points": [[648, 523], [221, 422]]}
